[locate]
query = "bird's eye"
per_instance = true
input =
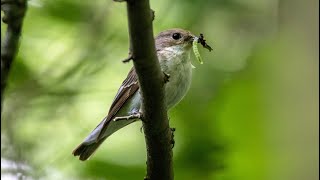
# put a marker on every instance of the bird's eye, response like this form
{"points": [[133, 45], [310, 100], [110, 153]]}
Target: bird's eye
{"points": [[176, 36]]}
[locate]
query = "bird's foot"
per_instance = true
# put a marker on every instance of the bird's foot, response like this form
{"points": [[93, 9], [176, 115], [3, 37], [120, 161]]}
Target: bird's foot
{"points": [[137, 115], [166, 77]]}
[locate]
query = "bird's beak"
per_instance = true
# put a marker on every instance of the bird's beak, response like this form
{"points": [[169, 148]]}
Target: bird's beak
{"points": [[190, 38]]}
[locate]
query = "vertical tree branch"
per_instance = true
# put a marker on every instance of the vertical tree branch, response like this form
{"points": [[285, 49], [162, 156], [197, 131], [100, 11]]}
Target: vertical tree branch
{"points": [[155, 120], [14, 11]]}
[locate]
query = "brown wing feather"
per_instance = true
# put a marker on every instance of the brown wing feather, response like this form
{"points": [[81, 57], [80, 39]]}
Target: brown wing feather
{"points": [[129, 86]]}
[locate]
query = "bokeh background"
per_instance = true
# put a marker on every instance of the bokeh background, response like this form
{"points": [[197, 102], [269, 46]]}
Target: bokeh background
{"points": [[251, 113]]}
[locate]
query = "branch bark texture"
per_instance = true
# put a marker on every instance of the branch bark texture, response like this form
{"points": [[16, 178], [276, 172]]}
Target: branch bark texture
{"points": [[14, 11], [155, 120]]}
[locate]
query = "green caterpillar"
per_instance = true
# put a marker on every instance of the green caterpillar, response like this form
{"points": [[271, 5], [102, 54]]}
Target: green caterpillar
{"points": [[195, 49]]}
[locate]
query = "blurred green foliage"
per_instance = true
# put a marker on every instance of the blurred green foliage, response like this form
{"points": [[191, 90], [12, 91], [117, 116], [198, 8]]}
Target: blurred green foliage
{"points": [[251, 113]]}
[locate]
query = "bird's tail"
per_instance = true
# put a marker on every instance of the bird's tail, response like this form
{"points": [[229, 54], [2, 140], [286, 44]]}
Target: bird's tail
{"points": [[84, 151], [93, 140]]}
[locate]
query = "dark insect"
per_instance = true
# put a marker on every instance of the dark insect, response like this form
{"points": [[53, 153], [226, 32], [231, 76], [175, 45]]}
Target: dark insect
{"points": [[202, 41]]}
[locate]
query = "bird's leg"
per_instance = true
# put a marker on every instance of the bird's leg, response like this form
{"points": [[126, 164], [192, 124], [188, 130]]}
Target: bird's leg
{"points": [[172, 136], [166, 77], [137, 115]]}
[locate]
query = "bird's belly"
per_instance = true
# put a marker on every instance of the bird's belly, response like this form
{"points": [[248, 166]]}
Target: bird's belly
{"points": [[178, 85]]}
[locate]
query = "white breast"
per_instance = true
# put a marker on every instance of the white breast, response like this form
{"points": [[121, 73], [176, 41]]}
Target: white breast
{"points": [[180, 70]]}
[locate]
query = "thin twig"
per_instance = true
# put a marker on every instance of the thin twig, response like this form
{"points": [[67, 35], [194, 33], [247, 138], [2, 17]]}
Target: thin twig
{"points": [[129, 58], [14, 11]]}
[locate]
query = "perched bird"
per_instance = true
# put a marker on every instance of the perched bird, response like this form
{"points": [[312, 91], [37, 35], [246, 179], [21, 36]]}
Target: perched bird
{"points": [[173, 48]]}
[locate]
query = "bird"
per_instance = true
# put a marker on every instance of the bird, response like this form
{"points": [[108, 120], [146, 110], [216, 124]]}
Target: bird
{"points": [[173, 47]]}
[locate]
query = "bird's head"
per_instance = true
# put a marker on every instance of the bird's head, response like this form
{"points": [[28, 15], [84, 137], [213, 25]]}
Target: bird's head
{"points": [[175, 38]]}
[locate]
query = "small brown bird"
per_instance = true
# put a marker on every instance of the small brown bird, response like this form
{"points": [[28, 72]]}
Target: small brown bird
{"points": [[173, 50]]}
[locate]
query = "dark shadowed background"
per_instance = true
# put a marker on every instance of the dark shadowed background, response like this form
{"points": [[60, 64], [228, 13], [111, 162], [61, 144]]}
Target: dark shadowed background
{"points": [[251, 112]]}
